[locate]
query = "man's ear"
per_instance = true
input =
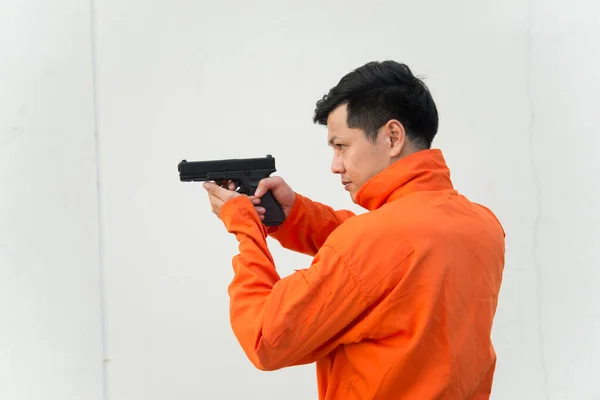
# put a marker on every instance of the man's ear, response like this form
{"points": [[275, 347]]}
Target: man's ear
{"points": [[396, 137]]}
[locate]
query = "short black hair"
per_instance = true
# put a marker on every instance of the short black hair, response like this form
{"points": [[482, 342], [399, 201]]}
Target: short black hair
{"points": [[379, 91]]}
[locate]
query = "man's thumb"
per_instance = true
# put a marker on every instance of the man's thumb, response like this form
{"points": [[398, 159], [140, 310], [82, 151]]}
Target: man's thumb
{"points": [[263, 186]]}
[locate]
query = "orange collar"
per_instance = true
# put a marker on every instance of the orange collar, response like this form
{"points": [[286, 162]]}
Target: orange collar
{"points": [[422, 170]]}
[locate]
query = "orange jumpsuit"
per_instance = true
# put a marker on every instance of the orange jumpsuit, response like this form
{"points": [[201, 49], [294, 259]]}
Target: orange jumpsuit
{"points": [[398, 302]]}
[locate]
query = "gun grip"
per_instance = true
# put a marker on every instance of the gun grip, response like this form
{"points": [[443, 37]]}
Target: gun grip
{"points": [[274, 214]]}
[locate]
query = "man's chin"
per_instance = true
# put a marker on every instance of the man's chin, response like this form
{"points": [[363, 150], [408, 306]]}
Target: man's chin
{"points": [[353, 196]]}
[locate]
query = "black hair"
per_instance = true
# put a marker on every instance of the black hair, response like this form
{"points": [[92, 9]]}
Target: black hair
{"points": [[379, 91]]}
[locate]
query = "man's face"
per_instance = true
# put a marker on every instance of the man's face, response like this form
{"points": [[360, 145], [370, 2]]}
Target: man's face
{"points": [[356, 158]]}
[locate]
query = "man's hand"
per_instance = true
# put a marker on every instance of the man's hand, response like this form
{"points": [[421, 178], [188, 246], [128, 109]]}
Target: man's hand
{"points": [[218, 195], [282, 192]]}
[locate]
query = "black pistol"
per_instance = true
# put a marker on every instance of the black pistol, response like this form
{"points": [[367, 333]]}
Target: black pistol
{"points": [[245, 172]]}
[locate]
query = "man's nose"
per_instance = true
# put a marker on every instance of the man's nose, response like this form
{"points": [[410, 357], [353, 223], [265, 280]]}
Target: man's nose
{"points": [[337, 165]]}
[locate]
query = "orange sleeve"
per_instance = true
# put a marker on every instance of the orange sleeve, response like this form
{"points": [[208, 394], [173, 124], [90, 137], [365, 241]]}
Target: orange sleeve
{"points": [[308, 225], [290, 321]]}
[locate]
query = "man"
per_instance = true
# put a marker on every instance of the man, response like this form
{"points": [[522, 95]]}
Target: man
{"points": [[398, 303]]}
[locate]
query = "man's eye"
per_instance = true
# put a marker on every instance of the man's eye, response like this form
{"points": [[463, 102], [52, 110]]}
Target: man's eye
{"points": [[340, 146]]}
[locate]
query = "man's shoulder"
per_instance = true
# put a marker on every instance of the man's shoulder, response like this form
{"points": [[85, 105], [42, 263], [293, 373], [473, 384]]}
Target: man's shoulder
{"points": [[490, 215], [372, 247], [358, 227], [389, 217], [365, 234], [411, 220]]}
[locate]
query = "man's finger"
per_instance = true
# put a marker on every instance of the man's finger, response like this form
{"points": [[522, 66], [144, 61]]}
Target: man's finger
{"points": [[254, 200], [214, 200], [266, 184], [210, 186], [215, 190]]}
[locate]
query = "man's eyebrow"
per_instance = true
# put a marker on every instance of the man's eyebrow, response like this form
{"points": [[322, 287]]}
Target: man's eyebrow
{"points": [[333, 138]]}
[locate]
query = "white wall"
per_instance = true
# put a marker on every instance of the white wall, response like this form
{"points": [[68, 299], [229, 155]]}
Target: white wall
{"points": [[50, 308], [515, 83], [565, 76]]}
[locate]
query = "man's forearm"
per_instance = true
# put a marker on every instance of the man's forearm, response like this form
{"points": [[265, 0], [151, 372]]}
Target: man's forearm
{"points": [[308, 225]]}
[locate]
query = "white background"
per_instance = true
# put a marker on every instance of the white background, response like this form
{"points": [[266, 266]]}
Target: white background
{"points": [[104, 254]]}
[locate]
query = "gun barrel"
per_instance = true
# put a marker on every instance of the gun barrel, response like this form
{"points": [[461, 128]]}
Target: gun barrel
{"points": [[223, 169]]}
